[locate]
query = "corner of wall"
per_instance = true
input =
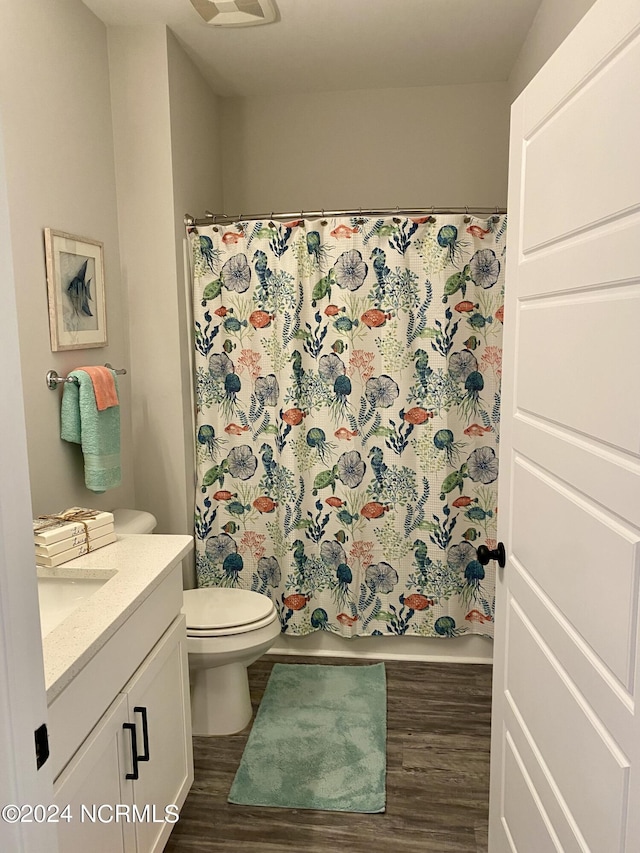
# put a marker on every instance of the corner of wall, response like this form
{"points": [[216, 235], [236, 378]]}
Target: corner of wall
{"points": [[552, 24], [166, 132], [194, 111], [144, 178]]}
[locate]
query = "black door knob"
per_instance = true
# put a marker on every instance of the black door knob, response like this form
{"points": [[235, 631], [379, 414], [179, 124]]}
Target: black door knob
{"points": [[484, 555]]}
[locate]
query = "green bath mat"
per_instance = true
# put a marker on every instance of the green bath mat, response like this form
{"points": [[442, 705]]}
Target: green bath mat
{"points": [[318, 741]]}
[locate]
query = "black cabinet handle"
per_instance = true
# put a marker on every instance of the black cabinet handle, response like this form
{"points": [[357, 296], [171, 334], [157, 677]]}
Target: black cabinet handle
{"points": [[139, 709], [484, 555], [134, 750]]}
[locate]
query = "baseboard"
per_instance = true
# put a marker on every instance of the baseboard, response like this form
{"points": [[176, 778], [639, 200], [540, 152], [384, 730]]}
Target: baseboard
{"points": [[468, 649]]}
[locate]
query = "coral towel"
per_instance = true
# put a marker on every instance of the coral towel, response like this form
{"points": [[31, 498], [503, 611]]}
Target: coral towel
{"points": [[104, 386]]}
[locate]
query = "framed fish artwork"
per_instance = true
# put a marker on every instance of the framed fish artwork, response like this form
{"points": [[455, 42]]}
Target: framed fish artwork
{"points": [[75, 285]]}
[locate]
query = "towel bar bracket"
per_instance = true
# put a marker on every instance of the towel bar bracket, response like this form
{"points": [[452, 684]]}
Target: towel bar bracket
{"points": [[53, 378]]}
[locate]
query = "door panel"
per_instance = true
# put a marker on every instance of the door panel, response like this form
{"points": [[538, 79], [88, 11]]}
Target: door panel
{"points": [[604, 693], [529, 829], [592, 258], [566, 733], [571, 137], [606, 475], [591, 539], [548, 799], [588, 373], [572, 742]]}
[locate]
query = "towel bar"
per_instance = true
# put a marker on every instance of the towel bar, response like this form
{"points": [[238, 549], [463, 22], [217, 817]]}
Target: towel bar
{"points": [[54, 379]]}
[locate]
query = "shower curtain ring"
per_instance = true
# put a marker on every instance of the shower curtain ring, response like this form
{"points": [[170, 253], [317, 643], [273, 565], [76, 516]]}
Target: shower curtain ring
{"points": [[467, 218]]}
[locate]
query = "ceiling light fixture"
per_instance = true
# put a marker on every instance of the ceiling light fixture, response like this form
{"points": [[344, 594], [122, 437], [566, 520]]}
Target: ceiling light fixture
{"points": [[236, 13]]}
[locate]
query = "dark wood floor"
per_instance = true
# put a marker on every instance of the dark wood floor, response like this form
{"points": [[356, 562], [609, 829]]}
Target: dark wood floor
{"points": [[437, 776]]}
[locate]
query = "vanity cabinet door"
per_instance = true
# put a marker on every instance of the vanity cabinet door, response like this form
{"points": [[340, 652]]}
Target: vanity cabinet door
{"points": [[93, 784], [158, 704]]}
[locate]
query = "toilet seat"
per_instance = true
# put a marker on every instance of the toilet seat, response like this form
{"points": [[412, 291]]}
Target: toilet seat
{"points": [[228, 632], [219, 611]]}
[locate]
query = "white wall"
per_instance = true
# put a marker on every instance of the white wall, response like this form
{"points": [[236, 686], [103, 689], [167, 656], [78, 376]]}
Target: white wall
{"points": [[195, 137], [197, 184], [54, 92], [142, 137], [440, 145], [553, 22], [165, 132]]}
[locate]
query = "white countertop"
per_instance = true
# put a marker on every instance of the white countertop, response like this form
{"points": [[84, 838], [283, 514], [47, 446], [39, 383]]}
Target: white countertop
{"points": [[136, 565]]}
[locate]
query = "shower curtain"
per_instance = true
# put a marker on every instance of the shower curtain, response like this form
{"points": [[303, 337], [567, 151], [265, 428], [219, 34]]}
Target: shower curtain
{"points": [[348, 403]]}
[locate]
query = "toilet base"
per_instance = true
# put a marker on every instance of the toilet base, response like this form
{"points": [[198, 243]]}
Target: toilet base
{"points": [[220, 700]]}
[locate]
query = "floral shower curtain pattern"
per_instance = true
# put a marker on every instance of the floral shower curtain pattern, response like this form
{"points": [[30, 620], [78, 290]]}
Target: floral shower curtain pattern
{"points": [[348, 402]]}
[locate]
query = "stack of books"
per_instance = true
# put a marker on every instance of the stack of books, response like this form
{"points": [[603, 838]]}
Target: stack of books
{"points": [[63, 536]]}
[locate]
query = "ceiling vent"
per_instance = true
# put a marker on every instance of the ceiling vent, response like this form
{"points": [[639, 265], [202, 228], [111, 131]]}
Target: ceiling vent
{"points": [[236, 13]]}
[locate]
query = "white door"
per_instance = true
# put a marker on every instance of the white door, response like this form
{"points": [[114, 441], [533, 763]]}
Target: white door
{"points": [[22, 695], [565, 771]]}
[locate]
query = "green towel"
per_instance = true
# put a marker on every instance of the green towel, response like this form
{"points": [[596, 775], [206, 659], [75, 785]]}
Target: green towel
{"points": [[97, 432]]}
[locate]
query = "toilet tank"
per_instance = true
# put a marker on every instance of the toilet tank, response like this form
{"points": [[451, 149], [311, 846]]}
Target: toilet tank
{"points": [[133, 521]]}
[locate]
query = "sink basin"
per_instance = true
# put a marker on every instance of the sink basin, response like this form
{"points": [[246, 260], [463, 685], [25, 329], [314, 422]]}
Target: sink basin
{"points": [[59, 597]]}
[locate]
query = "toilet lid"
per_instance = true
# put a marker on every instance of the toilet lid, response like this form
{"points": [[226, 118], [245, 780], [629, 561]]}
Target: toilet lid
{"points": [[217, 607]]}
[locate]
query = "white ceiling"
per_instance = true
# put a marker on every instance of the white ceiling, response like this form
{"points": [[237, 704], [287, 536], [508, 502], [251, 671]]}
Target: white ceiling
{"points": [[329, 45]]}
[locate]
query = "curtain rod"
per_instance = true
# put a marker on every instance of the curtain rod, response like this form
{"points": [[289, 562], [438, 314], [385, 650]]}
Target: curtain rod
{"points": [[220, 218]]}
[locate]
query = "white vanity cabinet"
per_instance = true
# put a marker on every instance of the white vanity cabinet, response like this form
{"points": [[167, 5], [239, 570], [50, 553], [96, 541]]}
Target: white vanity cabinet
{"points": [[96, 775], [130, 699], [158, 703]]}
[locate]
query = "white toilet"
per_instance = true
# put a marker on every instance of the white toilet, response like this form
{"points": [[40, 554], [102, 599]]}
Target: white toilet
{"points": [[227, 630]]}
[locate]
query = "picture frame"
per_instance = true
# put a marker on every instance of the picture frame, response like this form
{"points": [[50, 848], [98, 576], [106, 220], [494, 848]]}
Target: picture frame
{"points": [[76, 291]]}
